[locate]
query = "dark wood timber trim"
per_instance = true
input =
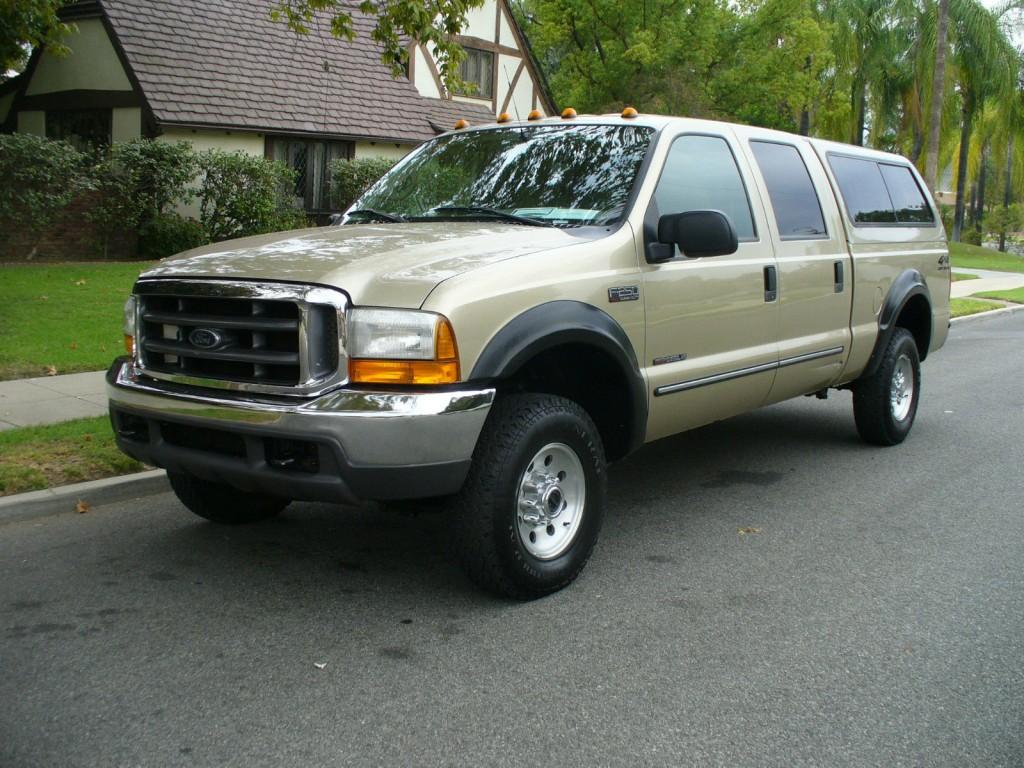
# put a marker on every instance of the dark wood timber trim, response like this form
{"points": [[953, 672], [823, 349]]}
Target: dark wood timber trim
{"points": [[467, 41], [83, 9], [81, 99], [540, 82], [432, 66], [513, 84]]}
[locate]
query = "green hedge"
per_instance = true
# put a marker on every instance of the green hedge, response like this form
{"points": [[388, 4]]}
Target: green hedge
{"points": [[350, 178]]}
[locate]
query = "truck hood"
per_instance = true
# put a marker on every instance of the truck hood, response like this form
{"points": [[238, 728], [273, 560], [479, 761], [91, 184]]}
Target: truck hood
{"points": [[395, 265]]}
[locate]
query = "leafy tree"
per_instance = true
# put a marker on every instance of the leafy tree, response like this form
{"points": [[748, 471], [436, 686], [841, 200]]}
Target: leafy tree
{"points": [[431, 22], [27, 24]]}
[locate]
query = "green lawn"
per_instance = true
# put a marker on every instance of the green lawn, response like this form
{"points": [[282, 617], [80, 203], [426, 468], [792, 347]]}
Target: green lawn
{"points": [[958, 276], [961, 307], [976, 257], [32, 458], [64, 316], [1016, 295]]}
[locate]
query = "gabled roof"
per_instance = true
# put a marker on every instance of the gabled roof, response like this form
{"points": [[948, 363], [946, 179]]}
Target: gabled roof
{"points": [[225, 64]]}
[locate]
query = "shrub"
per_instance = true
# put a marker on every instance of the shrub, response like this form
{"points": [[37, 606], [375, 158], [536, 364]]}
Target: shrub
{"points": [[350, 178], [971, 236], [245, 195], [40, 177], [168, 233], [139, 182]]}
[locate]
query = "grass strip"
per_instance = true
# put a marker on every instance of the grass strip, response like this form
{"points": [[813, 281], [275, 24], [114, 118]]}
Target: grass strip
{"points": [[62, 318], [1015, 295], [958, 276], [976, 257], [962, 307], [33, 458]]}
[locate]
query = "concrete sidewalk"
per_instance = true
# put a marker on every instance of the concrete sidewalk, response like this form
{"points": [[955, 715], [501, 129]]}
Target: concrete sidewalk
{"points": [[51, 399], [988, 280]]}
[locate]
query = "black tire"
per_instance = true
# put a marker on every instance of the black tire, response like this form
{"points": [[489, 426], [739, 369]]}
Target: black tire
{"points": [[879, 420], [223, 504], [486, 521]]}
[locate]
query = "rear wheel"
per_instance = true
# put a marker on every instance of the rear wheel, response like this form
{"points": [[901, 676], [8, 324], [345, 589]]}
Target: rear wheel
{"points": [[885, 403], [530, 511], [223, 504]]}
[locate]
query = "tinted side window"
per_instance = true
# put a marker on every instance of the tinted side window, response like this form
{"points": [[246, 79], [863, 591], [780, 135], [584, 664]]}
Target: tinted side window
{"points": [[907, 199], [700, 174], [796, 204], [861, 183]]}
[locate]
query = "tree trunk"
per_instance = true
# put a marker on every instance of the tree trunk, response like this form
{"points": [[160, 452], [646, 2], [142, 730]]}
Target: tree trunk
{"points": [[1007, 189], [860, 102], [979, 206], [915, 150], [805, 113], [931, 169], [967, 116]]}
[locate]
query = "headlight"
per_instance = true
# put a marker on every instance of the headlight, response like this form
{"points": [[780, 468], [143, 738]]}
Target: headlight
{"points": [[129, 325], [401, 346]]}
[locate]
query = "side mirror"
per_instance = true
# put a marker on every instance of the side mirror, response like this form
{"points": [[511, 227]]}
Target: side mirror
{"points": [[698, 233]]}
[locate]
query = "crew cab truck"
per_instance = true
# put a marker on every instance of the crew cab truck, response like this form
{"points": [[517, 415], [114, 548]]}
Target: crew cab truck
{"points": [[515, 305]]}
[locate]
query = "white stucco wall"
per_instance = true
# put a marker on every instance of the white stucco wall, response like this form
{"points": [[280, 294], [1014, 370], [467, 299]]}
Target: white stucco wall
{"points": [[91, 65], [423, 77], [229, 141], [480, 21], [379, 149], [32, 121], [125, 124]]}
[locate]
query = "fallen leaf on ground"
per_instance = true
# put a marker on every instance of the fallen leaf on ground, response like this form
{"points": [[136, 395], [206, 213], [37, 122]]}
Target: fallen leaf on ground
{"points": [[73, 345], [319, 664], [80, 282], [82, 507], [87, 438], [51, 370], [743, 531], [42, 298]]}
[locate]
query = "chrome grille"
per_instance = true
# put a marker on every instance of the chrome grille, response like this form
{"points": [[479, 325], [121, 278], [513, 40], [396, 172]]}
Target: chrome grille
{"points": [[263, 337]]}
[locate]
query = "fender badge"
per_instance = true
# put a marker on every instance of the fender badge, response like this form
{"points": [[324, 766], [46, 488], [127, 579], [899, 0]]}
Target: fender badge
{"points": [[624, 293]]}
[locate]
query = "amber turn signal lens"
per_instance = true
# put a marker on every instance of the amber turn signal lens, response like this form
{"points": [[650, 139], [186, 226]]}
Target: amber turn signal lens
{"points": [[534, 115], [629, 112], [504, 117], [568, 113], [129, 344], [403, 372], [460, 124]]}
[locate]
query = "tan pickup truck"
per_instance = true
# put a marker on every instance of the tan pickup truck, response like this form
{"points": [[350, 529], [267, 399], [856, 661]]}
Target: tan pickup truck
{"points": [[515, 305]]}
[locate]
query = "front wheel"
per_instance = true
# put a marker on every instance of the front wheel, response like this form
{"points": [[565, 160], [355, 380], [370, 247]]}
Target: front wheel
{"points": [[885, 403], [530, 511], [221, 503]]}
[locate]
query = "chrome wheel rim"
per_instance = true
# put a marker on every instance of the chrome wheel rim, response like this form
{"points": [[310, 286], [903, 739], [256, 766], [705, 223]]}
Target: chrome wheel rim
{"points": [[550, 501], [901, 389]]}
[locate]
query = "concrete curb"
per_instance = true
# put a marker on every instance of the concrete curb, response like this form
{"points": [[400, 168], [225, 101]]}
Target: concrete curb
{"points": [[989, 313], [61, 500]]}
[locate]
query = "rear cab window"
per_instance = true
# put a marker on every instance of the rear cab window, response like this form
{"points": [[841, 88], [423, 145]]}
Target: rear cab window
{"points": [[794, 200], [880, 193]]}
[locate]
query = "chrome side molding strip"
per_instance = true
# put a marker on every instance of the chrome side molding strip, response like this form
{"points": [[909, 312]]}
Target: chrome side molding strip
{"points": [[717, 378]]}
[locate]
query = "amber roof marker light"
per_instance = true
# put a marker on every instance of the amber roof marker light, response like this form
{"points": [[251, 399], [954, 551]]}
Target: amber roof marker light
{"points": [[534, 115], [504, 117], [460, 124], [568, 113], [629, 112]]}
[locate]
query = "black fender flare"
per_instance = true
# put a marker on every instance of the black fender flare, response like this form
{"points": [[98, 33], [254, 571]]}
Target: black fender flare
{"points": [[910, 283], [557, 323]]}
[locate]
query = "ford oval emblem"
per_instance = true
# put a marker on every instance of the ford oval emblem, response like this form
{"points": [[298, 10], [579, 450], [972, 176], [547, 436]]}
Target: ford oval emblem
{"points": [[205, 338]]}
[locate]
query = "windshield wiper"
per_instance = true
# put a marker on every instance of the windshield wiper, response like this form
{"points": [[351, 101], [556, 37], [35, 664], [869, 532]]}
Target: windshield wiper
{"points": [[380, 215], [492, 212]]}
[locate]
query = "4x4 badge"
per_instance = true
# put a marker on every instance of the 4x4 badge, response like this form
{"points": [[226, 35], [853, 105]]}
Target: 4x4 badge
{"points": [[624, 293]]}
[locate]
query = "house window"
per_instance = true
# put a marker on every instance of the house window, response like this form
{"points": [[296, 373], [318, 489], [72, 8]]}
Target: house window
{"points": [[311, 159], [478, 70], [85, 129]]}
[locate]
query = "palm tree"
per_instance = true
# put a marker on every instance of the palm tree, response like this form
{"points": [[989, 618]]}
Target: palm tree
{"points": [[938, 87]]}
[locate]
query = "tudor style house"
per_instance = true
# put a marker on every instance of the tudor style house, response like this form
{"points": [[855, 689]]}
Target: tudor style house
{"points": [[220, 73]]}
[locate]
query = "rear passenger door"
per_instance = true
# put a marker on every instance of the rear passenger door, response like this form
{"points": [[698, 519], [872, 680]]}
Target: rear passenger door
{"points": [[815, 279]]}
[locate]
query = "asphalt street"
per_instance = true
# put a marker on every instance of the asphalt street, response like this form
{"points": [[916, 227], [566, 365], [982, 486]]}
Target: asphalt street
{"points": [[871, 615]]}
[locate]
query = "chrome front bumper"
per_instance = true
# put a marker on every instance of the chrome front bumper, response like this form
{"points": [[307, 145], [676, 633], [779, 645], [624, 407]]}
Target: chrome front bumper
{"points": [[371, 444]]}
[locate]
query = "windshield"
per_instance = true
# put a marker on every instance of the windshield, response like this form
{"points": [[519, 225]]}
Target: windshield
{"points": [[555, 175]]}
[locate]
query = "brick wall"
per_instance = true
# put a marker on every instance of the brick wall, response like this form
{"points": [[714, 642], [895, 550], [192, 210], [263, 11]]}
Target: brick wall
{"points": [[70, 237]]}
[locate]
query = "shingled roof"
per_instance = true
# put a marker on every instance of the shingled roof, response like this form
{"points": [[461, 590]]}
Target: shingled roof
{"points": [[225, 64]]}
